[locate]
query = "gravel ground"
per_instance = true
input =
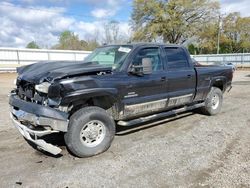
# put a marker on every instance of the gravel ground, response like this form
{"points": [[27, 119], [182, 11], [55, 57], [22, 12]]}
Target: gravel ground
{"points": [[190, 150]]}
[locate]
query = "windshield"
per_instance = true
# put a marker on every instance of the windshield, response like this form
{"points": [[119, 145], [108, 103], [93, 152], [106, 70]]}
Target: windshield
{"points": [[111, 56]]}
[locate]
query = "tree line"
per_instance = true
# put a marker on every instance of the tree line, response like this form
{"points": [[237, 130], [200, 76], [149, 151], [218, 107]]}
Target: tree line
{"points": [[68, 40], [197, 24]]}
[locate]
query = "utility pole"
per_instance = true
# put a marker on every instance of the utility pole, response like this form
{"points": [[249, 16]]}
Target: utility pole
{"points": [[219, 32]]}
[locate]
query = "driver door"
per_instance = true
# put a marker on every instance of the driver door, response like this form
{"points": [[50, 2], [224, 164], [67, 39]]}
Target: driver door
{"points": [[146, 93]]}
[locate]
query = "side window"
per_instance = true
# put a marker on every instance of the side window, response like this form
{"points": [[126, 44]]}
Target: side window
{"points": [[177, 58], [153, 54]]}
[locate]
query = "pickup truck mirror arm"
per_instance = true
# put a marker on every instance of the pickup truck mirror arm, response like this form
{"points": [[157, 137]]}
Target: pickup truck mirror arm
{"points": [[134, 72]]}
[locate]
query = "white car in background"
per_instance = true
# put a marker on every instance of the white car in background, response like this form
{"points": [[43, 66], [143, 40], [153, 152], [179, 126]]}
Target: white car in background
{"points": [[216, 63], [225, 64]]}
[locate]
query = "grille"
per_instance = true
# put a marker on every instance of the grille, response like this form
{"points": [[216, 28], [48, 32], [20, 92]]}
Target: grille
{"points": [[26, 91]]}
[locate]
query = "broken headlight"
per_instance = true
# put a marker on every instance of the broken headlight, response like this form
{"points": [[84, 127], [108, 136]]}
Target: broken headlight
{"points": [[43, 87]]}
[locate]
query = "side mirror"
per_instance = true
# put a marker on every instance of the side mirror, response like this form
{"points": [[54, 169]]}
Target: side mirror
{"points": [[144, 68], [147, 66]]}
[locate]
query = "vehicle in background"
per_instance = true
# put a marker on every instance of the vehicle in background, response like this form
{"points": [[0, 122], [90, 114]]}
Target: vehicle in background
{"points": [[228, 64], [231, 65]]}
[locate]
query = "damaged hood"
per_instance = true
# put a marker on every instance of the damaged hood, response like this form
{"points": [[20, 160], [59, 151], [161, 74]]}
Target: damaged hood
{"points": [[49, 71]]}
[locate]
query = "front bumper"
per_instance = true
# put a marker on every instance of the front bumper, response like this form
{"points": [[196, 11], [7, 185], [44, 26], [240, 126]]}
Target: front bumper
{"points": [[34, 120], [37, 109], [38, 115], [41, 144]]}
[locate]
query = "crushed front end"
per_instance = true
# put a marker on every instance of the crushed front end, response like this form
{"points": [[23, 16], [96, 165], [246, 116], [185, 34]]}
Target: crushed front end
{"points": [[33, 117]]}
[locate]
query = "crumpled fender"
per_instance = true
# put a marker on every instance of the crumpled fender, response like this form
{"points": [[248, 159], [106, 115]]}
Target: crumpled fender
{"points": [[81, 95]]}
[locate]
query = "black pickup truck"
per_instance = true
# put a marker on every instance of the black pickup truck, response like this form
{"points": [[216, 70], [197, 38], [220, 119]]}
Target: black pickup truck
{"points": [[115, 85]]}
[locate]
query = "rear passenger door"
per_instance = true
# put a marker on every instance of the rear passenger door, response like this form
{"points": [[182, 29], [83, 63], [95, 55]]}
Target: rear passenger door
{"points": [[181, 77]]}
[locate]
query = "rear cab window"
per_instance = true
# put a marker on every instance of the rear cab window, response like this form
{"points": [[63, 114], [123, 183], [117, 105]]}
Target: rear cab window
{"points": [[176, 58]]}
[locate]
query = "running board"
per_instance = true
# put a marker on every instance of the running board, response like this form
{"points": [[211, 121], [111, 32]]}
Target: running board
{"points": [[160, 115]]}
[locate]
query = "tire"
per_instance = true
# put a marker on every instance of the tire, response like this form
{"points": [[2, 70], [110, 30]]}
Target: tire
{"points": [[90, 132], [213, 102]]}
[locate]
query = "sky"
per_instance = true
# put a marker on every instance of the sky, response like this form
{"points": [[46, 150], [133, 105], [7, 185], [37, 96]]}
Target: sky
{"points": [[22, 21]]}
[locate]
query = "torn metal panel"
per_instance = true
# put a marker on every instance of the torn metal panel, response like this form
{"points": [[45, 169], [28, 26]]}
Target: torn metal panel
{"points": [[26, 132]]}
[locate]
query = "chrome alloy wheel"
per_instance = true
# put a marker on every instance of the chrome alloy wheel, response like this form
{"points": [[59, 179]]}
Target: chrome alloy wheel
{"points": [[215, 101], [92, 133]]}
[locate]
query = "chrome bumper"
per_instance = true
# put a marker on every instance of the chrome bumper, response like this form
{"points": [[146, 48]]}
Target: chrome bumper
{"points": [[34, 115], [26, 132], [55, 124]]}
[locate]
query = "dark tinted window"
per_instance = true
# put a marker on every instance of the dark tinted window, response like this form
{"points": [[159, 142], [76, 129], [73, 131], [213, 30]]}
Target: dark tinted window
{"points": [[153, 54], [177, 58]]}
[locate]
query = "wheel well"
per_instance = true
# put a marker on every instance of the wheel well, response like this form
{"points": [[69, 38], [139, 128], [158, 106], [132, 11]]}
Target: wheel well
{"points": [[219, 84], [104, 102]]}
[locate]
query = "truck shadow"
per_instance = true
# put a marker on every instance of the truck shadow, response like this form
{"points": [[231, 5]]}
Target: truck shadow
{"points": [[58, 138], [123, 130]]}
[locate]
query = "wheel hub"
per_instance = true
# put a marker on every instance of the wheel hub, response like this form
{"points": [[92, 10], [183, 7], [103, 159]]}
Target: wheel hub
{"points": [[92, 133], [215, 101]]}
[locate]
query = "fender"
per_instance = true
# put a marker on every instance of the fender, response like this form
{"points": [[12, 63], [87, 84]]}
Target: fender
{"points": [[85, 94], [219, 81]]}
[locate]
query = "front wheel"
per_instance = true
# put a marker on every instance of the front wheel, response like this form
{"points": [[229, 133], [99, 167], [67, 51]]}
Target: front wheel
{"points": [[91, 131], [213, 102]]}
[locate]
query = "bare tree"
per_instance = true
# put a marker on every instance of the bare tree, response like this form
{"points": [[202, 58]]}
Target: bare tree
{"points": [[111, 32]]}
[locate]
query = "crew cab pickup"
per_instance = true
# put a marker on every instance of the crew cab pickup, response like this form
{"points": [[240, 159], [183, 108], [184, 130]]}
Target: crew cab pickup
{"points": [[115, 85]]}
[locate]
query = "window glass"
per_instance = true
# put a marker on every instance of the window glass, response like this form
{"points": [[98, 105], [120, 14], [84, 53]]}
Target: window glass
{"points": [[111, 56], [176, 58], [153, 54]]}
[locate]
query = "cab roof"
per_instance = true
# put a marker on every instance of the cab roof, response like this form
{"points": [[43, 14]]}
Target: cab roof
{"points": [[144, 44]]}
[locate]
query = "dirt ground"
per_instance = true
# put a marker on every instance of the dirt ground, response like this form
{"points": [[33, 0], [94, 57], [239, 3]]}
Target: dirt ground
{"points": [[190, 150]]}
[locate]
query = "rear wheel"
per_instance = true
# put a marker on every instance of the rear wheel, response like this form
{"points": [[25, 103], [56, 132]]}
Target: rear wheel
{"points": [[91, 131], [213, 102]]}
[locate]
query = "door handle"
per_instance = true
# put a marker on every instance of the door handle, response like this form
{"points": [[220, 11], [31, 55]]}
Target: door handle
{"points": [[189, 76]]}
